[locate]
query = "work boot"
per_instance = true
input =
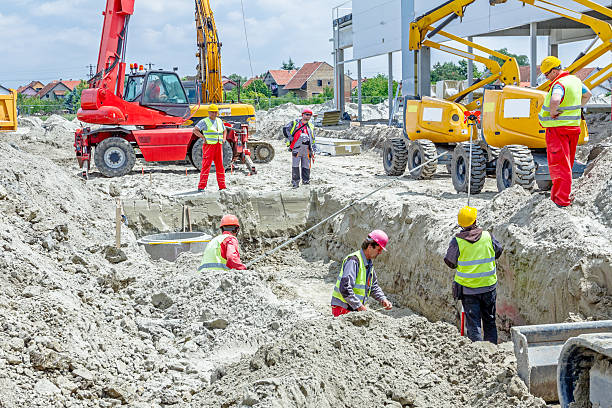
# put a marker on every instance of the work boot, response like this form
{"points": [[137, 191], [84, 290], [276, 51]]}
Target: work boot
{"points": [[305, 175], [295, 177]]}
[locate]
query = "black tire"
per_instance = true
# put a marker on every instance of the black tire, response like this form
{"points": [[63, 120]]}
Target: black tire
{"points": [[196, 154], [515, 165], [395, 157], [114, 157], [421, 151], [544, 185], [460, 166], [263, 152]]}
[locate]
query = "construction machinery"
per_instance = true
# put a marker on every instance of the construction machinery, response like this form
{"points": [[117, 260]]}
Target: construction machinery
{"points": [[511, 142], [209, 85], [566, 362], [141, 113], [8, 109]]}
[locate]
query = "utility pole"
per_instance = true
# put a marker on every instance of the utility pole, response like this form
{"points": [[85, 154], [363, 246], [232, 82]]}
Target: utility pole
{"points": [[149, 64], [91, 67]]}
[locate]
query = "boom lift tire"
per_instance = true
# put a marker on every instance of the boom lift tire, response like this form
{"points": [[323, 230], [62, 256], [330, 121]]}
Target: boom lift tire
{"points": [[515, 165], [196, 154], [262, 152], [460, 165], [421, 151], [395, 157], [114, 157]]}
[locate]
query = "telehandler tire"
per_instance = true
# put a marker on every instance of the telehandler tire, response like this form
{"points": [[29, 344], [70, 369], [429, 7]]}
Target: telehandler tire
{"points": [[421, 151], [196, 155], [460, 165], [515, 165], [114, 157], [395, 157]]}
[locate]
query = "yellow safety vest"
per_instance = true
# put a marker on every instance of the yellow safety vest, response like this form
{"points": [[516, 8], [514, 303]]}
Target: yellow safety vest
{"points": [[569, 108], [476, 266], [361, 289], [211, 135], [310, 128], [212, 259]]}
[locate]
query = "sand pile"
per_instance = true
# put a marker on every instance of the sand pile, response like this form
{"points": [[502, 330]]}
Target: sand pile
{"points": [[372, 360]]}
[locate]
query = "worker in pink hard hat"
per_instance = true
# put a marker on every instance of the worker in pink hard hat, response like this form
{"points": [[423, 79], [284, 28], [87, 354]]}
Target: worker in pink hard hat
{"points": [[357, 280], [300, 138]]}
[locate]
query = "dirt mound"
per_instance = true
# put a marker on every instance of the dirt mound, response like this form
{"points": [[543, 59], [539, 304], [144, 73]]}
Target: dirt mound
{"points": [[372, 360]]}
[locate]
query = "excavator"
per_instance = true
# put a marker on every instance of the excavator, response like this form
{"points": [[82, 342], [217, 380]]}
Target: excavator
{"points": [[512, 142], [141, 113], [209, 86]]}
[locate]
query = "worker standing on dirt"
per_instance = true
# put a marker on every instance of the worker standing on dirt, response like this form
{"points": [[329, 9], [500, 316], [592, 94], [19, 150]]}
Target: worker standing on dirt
{"points": [[213, 131], [357, 280], [472, 252], [223, 252], [300, 135], [560, 116]]}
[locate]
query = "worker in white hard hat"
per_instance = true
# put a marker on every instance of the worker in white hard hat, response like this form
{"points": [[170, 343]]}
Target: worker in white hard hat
{"points": [[300, 138], [357, 279], [561, 115], [213, 131], [472, 252]]}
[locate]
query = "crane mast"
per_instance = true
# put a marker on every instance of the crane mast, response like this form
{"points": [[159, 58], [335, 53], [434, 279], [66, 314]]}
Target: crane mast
{"points": [[209, 54]]}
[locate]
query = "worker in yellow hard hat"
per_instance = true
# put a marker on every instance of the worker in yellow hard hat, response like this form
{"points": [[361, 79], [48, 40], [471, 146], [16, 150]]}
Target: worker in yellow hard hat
{"points": [[213, 131], [561, 115], [472, 252]]}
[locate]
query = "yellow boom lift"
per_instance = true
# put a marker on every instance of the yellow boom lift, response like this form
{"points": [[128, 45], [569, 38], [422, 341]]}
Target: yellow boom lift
{"points": [[8, 109]]}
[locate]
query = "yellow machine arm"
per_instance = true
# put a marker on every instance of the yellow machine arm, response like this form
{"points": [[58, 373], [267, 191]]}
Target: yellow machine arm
{"points": [[601, 28], [209, 54], [422, 25], [508, 73]]}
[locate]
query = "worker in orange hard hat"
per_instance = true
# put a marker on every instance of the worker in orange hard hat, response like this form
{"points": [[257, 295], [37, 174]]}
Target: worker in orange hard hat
{"points": [[357, 280], [223, 252], [472, 252], [300, 138], [561, 115], [213, 132]]}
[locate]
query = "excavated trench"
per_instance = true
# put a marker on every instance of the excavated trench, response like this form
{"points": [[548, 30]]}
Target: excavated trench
{"points": [[540, 281]]}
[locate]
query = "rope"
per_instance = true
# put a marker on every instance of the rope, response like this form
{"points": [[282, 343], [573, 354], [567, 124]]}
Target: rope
{"points": [[470, 169], [284, 244], [246, 37]]}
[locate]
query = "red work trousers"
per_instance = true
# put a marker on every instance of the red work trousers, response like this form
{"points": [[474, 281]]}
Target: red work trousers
{"points": [[212, 153], [339, 311], [561, 145]]}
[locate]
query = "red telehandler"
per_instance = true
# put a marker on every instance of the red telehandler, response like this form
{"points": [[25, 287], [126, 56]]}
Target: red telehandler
{"points": [[142, 111]]}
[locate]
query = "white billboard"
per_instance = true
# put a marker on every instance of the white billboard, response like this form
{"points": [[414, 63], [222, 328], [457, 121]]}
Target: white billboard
{"points": [[377, 23]]}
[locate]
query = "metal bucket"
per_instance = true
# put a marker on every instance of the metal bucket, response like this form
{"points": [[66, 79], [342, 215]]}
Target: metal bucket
{"points": [[169, 245]]}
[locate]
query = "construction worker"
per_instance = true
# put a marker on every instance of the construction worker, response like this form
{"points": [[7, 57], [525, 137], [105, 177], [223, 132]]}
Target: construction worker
{"points": [[222, 252], [472, 252], [300, 135], [560, 116], [357, 280], [213, 131]]}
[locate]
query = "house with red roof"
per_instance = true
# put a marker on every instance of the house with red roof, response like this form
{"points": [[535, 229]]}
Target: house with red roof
{"points": [[313, 78], [30, 89], [276, 79], [228, 84], [57, 89]]}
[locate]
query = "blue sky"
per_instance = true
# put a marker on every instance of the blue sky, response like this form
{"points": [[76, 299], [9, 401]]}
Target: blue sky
{"points": [[51, 39]]}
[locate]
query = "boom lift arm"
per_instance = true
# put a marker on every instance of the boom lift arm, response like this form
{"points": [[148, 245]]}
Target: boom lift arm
{"points": [[209, 53]]}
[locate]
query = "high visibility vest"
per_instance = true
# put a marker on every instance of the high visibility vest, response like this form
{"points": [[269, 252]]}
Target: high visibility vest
{"points": [[310, 133], [212, 259], [476, 267], [211, 135], [361, 288], [569, 108]]}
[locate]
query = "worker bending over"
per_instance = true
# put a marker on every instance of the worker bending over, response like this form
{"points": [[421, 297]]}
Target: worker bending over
{"points": [[300, 135], [222, 252], [213, 131], [560, 116], [357, 280], [473, 253]]}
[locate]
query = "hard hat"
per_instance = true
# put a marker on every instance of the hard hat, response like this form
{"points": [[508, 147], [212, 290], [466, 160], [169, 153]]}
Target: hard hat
{"points": [[549, 63], [466, 216], [306, 110], [228, 220], [380, 238], [213, 108]]}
